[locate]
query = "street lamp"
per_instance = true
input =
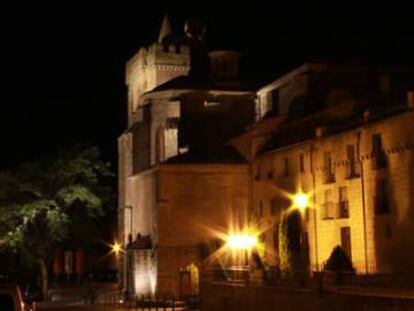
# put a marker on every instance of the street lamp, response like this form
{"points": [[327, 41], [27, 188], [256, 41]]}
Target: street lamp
{"points": [[300, 201], [241, 242], [116, 248]]}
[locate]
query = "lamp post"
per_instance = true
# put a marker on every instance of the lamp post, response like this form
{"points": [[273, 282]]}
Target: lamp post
{"points": [[126, 253]]}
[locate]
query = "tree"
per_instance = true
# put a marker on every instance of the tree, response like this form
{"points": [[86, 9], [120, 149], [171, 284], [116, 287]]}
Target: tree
{"points": [[289, 243], [40, 201]]}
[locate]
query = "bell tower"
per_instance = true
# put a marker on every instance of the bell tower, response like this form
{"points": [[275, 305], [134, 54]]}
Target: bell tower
{"points": [[153, 65]]}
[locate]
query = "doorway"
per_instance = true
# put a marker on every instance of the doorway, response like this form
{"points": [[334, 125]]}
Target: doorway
{"points": [[346, 241], [189, 281]]}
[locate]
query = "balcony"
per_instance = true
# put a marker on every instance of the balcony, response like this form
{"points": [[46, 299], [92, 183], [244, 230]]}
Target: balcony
{"points": [[328, 210], [329, 177]]}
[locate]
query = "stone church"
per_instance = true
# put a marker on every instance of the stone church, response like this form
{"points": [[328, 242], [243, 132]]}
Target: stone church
{"points": [[184, 104]]}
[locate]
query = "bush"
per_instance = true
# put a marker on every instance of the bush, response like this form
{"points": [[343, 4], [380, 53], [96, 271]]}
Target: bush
{"points": [[338, 261], [337, 265]]}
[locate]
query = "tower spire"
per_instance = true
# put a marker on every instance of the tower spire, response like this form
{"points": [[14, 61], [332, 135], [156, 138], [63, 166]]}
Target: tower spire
{"points": [[165, 28]]}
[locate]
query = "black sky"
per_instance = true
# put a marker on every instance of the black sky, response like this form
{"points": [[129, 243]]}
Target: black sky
{"points": [[64, 64]]}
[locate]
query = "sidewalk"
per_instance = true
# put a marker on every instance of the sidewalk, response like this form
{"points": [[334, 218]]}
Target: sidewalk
{"points": [[60, 307], [399, 293]]}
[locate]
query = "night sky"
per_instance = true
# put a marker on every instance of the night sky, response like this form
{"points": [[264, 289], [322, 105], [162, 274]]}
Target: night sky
{"points": [[64, 64]]}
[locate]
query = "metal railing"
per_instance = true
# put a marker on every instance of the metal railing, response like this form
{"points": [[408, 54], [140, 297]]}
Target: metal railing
{"points": [[121, 300]]}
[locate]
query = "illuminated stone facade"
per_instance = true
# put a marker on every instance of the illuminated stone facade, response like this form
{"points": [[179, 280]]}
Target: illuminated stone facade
{"points": [[353, 157], [198, 202], [176, 110]]}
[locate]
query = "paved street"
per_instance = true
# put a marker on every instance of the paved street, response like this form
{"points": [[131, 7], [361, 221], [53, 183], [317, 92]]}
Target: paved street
{"points": [[80, 308], [97, 307], [67, 307]]}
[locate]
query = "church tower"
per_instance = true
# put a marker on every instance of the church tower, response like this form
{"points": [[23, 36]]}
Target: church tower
{"points": [[151, 66]]}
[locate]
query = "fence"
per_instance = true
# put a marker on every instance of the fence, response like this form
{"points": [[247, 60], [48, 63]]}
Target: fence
{"points": [[144, 302]]}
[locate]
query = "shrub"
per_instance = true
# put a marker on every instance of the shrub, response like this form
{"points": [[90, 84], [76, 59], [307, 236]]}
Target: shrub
{"points": [[338, 261]]}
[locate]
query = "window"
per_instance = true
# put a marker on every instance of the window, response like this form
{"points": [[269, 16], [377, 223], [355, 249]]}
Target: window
{"points": [[327, 206], [301, 162], [343, 203], [379, 160], [352, 171], [286, 167], [381, 200], [329, 173]]}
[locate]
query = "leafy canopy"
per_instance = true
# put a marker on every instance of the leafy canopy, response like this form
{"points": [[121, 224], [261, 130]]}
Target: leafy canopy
{"points": [[38, 200]]}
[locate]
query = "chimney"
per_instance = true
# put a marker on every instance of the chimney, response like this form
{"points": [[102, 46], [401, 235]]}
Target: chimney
{"points": [[410, 100], [319, 131], [367, 114]]}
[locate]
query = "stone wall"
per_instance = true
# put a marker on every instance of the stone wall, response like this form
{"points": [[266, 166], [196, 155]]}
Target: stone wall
{"points": [[196, 204], [226, 297], [141, 202], [376, 239]]}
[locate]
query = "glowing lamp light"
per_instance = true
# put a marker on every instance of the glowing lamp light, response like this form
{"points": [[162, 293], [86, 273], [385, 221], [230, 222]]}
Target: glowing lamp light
{"points": [[301, 200], [241, 241], [116, 248]]}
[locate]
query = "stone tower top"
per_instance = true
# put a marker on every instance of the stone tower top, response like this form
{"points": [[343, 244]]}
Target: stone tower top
{"points": [[165, 28], [166, 58]]}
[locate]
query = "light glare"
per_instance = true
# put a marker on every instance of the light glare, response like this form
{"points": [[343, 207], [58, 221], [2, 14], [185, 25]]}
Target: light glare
{"points": [[116, 248], [241, 241], [301, 200]]}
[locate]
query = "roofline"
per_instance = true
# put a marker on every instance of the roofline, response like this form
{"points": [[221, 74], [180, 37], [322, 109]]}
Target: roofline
{"points": [[304, 142], [175, 92], [283, 79], [300, 70], [205, 167], [349, 129]]}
